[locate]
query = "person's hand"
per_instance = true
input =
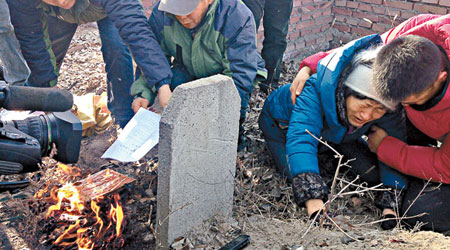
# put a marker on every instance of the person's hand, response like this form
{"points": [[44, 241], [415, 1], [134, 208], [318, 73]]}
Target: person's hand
{"points": [[164, 94], [375, 137], [299, 82], [139, 103]]}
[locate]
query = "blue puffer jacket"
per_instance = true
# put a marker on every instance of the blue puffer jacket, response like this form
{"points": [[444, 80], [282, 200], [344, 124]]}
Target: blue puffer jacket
{"points": [[128, 17], [315, 110]]}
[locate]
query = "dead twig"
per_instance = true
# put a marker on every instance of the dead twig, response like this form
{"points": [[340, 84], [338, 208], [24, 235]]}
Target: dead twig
{"points": [[340, 229], [381, 220]]}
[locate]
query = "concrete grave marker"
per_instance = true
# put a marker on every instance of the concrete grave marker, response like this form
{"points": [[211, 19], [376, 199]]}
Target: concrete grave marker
{"points": [[197, 155]]}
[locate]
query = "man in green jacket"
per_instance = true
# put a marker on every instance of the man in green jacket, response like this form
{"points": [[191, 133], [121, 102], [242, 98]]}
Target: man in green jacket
{"points": [[204, 37]]}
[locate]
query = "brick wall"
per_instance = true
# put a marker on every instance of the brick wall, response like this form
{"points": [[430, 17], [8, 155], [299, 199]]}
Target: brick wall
{"points": [[320, 25], [354, 19]]}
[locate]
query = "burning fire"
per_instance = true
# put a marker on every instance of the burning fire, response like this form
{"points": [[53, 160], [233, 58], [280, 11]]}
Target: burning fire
{"points": [[86, 225]]}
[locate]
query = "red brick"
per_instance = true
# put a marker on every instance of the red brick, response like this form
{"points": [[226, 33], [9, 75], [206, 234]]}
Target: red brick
{"points": [[392, 13], [315, 30], [444, 2], [316, 14], [341, 11], [373, 1], [430, 9], [325, 27], [352, 21], [361, 31], [325, 5], [371, 17], [305, 32], [406, 15], [328, 12], [294, 19], [386, 20], [297, 3], [365, 7], [430, 1], [340, 18], [294, 35], [340, 3], [306, 17], [379, 10], [399, 5], [351, 4], [365, 24], [147, 3], [343, 28], [302, 25], [324, 20], [307, 8], [380, 28]]}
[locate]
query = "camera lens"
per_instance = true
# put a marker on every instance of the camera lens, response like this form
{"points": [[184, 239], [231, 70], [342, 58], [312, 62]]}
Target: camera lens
{"points": [[36, 127], [62, 128]]}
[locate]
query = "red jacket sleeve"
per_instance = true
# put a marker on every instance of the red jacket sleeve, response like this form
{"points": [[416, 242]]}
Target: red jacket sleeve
{"points": [[312, 61], [422, 162]]}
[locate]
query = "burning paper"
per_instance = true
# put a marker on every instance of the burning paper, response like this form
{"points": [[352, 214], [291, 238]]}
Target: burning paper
{"points": [[101, 183], [137, 138], [83, 214]]}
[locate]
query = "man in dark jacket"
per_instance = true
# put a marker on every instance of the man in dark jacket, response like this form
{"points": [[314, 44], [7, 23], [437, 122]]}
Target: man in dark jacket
{"points": [[45, 28]]}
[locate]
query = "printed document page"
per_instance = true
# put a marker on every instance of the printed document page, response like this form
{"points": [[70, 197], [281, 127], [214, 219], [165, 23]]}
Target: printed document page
{"points": [[137, 138]]}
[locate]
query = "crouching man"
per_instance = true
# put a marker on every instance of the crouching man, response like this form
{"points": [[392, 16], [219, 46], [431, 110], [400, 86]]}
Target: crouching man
{"points": [[204, 37]]}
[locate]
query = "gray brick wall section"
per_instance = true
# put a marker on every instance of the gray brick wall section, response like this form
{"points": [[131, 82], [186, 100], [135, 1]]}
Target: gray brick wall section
{"points": [[320, 25]]}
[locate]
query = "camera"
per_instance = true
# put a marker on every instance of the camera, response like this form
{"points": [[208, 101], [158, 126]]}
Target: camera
{"points": [[23, 143]]}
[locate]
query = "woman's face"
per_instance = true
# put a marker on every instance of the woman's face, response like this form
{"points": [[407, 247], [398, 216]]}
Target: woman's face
{"points": [[362, 111]]}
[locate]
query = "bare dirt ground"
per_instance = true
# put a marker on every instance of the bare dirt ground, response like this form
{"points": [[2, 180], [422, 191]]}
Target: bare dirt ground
{"points": [[264, 207]]}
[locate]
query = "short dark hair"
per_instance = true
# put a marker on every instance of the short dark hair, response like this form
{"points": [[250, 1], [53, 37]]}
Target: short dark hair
{"points": [[407, 65]]}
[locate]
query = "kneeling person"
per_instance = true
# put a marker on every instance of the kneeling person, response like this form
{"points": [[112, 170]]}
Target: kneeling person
{"points": [[204, 37], [340, 105]]}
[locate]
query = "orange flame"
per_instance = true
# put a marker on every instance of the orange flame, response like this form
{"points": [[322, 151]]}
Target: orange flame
{"points": [[118, 215], [39, 194], [73, 210], [68, 192]]}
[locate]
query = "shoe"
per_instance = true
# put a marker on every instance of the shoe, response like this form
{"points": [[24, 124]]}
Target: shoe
{"points": [[316, 218], [388, 224]]}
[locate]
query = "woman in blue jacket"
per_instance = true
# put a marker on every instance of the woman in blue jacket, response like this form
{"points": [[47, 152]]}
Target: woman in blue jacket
{"points": [[339, 105]]}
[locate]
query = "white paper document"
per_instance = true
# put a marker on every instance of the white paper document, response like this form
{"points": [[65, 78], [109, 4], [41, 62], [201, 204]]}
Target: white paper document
{"points": [[137, 138]]}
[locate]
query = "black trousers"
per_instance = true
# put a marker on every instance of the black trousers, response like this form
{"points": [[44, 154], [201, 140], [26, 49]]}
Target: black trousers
{"points": [[275, 14], [434, 200]]}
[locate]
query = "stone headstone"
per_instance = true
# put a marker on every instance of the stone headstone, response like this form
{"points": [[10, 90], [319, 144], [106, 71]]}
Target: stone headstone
{"points": [[197, 156]]}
